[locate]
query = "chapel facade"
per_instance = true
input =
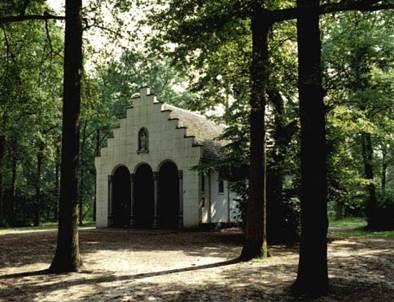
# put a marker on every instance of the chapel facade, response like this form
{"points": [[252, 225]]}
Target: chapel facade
{"points": [[145, 175]]}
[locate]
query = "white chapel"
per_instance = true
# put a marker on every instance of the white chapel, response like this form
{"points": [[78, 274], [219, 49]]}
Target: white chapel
{"points": [[145, 175]]}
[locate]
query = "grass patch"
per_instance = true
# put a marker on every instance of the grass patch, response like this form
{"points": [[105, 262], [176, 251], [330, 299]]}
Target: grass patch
{"points": [[42, 227], [355, 227], [349, 222], [362, 233]]}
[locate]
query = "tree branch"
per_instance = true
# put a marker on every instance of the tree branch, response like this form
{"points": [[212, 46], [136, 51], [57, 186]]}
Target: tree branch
{"points": [[49, 38], [345, 5], [20, 18]]}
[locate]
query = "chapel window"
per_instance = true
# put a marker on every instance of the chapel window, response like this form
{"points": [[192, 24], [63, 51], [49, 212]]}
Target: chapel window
{"points": [[143, 141]]}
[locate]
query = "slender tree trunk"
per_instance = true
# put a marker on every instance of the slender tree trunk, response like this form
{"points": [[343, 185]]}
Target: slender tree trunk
{"points": [[339, 209], [372, 203], [14, 172], [82, 174], [67, 257], [255, 231], [275, 171], [57, 187], [278, 230], [384, 172], [97, 153], [40, 156], [2, 153], [312, 276]]}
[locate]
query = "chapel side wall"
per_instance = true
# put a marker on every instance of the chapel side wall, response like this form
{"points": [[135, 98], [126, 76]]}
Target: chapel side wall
{"points": [[219, 200]]}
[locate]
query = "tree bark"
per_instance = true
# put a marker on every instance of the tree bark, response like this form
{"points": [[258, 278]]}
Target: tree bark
{"points": [[40, 157], [57, 187], [312, 276], [384, 172], [67, 257], [14, 172], [339, 210], [97, 153], [255, 231], [372, 203], [82, 174], [2, 153]]}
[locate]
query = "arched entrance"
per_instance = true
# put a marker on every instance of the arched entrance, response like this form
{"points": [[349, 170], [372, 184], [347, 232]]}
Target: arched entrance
{"points": [[168, 199], [121, 197], [143, 196]]}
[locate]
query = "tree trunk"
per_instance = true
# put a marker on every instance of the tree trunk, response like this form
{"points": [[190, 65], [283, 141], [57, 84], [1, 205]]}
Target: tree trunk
{"points": [[280, 227], [384, 172], [67, 257], [372, 203], [339, 209], [2, 153], [40, 156], [82, 176], [312, 276], [97, 153], [255, 231], [14, 164], [57, 187]]}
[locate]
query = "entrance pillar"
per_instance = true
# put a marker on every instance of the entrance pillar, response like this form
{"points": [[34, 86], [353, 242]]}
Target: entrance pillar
{"points": [[180, 215], [156, 198]]}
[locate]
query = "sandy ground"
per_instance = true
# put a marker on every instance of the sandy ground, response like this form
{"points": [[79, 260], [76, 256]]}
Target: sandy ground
{"points": [[138, 265]]}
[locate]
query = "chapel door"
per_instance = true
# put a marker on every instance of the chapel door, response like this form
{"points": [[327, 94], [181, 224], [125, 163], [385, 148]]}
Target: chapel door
{"points": [[143, 196], [121, 197], [168, 201]]}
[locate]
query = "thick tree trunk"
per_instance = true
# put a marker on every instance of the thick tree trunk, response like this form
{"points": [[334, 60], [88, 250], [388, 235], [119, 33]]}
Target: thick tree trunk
{"points": [[67, 257], [40, 157], [312, 276], [372, 203], [255, 231], [2, 153]]}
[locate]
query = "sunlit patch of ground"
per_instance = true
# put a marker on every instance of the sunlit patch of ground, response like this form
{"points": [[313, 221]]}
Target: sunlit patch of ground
{"points": [[138, 265]]}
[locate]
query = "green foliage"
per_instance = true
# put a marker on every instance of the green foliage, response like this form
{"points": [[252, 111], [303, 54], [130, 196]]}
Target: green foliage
{"points": [[358, 57], [30, 85]]}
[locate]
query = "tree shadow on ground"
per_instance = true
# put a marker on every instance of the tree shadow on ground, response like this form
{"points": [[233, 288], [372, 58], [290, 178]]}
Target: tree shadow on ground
{"points": [[24, 249], [359, 269]]}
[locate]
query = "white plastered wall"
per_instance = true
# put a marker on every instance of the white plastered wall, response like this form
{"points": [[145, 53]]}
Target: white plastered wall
{"points": [[217, 206], [166, 142]]}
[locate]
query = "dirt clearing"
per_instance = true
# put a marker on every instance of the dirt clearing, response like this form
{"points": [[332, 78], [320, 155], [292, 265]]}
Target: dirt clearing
{"points": [[141, 265]]}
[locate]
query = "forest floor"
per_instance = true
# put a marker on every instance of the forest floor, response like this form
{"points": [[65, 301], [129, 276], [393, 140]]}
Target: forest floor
{"points": [[147, 265]]}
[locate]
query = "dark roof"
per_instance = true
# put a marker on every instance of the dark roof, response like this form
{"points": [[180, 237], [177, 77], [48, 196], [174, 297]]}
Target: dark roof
{"points": [[205, 131]]}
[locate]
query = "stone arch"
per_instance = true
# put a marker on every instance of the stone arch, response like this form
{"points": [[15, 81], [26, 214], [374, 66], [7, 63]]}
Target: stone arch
{"points": [[168, 206], [121, 197], [143, 207]]}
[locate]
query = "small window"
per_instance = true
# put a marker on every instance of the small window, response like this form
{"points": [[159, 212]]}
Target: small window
{"points": [[220, 184], [143, 141], [202, 183]]}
